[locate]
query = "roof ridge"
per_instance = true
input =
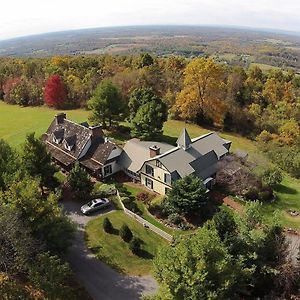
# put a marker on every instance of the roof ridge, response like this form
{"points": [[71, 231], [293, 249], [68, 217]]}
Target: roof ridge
{"points": [[75, 123], [202, 136]]}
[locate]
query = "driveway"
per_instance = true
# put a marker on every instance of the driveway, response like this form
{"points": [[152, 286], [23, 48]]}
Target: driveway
{"points": [[101, 281]]}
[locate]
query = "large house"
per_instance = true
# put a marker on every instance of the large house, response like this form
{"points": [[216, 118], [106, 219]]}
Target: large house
{"points": [[69, 142], [156, 165]]}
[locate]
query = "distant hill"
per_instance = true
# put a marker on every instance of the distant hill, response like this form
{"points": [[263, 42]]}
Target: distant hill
{"points": [[232, 45]]}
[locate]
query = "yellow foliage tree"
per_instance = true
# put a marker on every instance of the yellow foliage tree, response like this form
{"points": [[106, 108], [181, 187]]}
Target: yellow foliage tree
{"points": [[202, 90]]}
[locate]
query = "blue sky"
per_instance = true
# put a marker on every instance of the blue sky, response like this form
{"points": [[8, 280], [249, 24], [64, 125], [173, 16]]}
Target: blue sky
{"points": [[25, 17]]}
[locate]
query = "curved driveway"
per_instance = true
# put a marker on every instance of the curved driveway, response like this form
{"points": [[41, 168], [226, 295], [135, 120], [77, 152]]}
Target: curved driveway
{"points": [[101, 281]]}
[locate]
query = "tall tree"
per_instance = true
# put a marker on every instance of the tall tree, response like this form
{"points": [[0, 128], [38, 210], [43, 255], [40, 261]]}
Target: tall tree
{"points": [[36, 161], [147, 113], [198, 267], [9, 164], [55, 94], [187, 195], [43, 215], [106, 104], [202, 90], [80, 182]]}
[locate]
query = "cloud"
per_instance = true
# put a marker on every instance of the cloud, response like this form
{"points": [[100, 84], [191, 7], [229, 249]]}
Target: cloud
{"points": [[21, 17]]}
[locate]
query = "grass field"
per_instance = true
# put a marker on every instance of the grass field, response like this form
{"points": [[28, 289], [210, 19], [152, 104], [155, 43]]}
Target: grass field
{"points": [[264, 67], [111, 249], [16, 122]]}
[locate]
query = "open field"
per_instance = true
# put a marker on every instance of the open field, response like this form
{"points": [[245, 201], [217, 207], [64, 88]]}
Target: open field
{"points": [[111, 249], [16, 122]]}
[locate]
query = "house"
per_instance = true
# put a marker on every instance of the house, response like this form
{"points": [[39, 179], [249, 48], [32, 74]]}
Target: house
{"points": [[69, 142], [158, 165], [155, 164]]}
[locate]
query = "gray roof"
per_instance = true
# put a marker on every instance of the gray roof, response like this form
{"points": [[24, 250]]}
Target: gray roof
{"points": [[184, 141], [200, 158], [136, 152], [74, 134]]}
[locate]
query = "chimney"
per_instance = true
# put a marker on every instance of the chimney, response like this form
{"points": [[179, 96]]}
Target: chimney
{"points": [[60, 118], [154, 151], [96, 131]]}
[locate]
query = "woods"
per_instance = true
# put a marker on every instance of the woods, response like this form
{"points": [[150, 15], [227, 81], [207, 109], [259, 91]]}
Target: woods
{"points": [[145, 90]]}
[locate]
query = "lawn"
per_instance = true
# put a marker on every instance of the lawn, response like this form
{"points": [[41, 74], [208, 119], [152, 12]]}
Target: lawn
{"points": [[16, 121], [111, 249], [288, 193]]}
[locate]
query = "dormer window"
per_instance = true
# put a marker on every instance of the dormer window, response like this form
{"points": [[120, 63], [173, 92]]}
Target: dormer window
{"points": [[69, 142], [57, 136]]}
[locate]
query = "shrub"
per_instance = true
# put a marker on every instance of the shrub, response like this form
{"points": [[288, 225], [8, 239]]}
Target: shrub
{"points": [[174, 218], [272, 176], [143, 196], [265, 194], [135, 246], [126, 200], [251, 193], [134, 208], [125, 233], [104, 190], [107, 226]]}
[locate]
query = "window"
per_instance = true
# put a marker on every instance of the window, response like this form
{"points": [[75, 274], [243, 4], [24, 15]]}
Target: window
{"points": [[158, 164], [167, 178], [107, 170], [149, 183], [149, 170]]}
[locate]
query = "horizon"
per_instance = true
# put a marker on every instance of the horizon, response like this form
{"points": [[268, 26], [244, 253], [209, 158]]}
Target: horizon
{"points": [[216, 26], [34, 17]]}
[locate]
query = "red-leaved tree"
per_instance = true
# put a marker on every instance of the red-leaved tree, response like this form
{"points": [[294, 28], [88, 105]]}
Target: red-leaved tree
{"points": [[55, 93]]}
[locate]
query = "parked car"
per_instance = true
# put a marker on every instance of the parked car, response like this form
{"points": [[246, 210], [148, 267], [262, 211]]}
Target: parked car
{"points": [[94, 205]]}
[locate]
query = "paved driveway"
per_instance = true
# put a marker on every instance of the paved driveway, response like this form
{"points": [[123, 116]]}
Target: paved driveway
{"points": [[101, 281]]}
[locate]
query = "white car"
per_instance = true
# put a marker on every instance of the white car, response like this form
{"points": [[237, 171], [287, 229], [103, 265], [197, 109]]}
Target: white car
{"points": [[94, 205]]}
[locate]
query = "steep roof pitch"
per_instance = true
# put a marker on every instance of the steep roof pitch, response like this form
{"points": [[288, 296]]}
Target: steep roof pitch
{"points": [[74, 134], [100, 151], [184, 141], [200, 158]]}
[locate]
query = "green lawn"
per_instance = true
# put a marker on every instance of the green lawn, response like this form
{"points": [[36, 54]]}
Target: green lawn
{"points": [[16, 121], [111, 249], [288, 194]]}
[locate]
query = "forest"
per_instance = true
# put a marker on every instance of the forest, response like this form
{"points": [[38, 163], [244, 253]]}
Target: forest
{"points": [[145, 89]]}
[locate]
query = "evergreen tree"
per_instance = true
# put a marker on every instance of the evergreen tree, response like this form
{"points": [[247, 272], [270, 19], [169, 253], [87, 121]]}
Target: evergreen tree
{"points": [[80, 182], [125, 233], [187, 195], [105, 103], [36, 161], [135, 245], [147, 113], [107, 226]]}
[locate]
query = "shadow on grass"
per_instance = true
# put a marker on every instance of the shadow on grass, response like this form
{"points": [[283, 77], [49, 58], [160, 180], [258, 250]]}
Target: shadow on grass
{"points": [[166, 139], [145, 254], [285, 189], [111, 263], [115, 231]]}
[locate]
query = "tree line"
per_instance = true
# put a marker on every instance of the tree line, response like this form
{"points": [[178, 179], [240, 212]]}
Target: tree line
{"points": [[144, 89]]}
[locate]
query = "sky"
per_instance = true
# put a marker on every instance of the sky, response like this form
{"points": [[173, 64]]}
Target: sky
{"points": [[27, 17]]}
